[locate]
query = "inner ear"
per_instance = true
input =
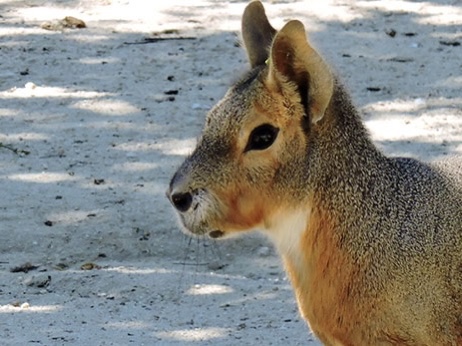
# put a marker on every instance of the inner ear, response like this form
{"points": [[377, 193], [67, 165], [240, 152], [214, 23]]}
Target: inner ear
{"points": [[283, 55], [284, 60], [303, 84], [257, 33], [294, 60]]}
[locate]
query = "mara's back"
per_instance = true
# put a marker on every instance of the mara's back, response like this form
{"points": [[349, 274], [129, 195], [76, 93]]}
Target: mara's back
{"points": [[423, 256]]}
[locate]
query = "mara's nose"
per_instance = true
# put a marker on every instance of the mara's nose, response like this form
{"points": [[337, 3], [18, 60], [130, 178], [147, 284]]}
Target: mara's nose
{"points": [[182, 201]]}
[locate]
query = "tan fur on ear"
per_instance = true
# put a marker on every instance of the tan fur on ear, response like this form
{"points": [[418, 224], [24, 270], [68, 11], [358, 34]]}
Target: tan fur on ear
{"points": [[257, 33], [294, 60]]}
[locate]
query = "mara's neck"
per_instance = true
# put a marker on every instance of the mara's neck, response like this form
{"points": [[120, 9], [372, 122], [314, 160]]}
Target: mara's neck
{"points": [[345, 169], [327, 242]]}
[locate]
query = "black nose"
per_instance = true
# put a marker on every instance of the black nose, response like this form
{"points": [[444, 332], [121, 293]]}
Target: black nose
{"points": [[182, 201]]}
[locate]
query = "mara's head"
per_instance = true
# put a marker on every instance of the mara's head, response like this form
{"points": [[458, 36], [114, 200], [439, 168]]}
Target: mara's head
{"points": [[250, 163]]}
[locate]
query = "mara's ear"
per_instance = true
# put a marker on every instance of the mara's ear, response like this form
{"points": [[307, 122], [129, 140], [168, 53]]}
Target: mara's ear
{"points": [[257, 33], [294, 60]]}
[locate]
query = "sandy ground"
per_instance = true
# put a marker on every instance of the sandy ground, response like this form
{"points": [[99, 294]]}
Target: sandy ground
{"points": [[94, 121]]}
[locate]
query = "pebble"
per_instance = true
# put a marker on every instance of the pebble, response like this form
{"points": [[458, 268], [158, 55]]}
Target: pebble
{"points": [[216, 265], [25, 305], [30, 85], [39, 281]]}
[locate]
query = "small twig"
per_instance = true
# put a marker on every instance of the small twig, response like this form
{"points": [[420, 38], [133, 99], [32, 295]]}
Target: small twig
{"points": [[159, 39], [450, 43], [191, 263], [24, 268], [14, 150]]}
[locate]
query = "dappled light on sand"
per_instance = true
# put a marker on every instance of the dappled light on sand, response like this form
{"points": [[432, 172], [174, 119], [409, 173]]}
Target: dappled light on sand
{"points": [[107, 107], [26, 308], [209, 289], [177, 147], [43, 177], [431, 13], [32, 90], [198, 334], [140, 271]]}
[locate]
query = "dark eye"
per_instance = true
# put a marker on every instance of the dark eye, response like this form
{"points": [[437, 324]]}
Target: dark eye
{"points": [[262, 137]]}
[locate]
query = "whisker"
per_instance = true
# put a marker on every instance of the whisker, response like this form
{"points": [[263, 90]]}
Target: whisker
{"points": [[205, 253], [216, 249], [186, 245]]}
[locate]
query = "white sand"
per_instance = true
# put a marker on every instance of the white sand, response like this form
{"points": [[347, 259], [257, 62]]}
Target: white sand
{"points": [[104, 140]]}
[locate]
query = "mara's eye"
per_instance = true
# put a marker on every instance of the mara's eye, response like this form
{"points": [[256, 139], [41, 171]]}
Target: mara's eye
{"points": [[262, 137]]}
